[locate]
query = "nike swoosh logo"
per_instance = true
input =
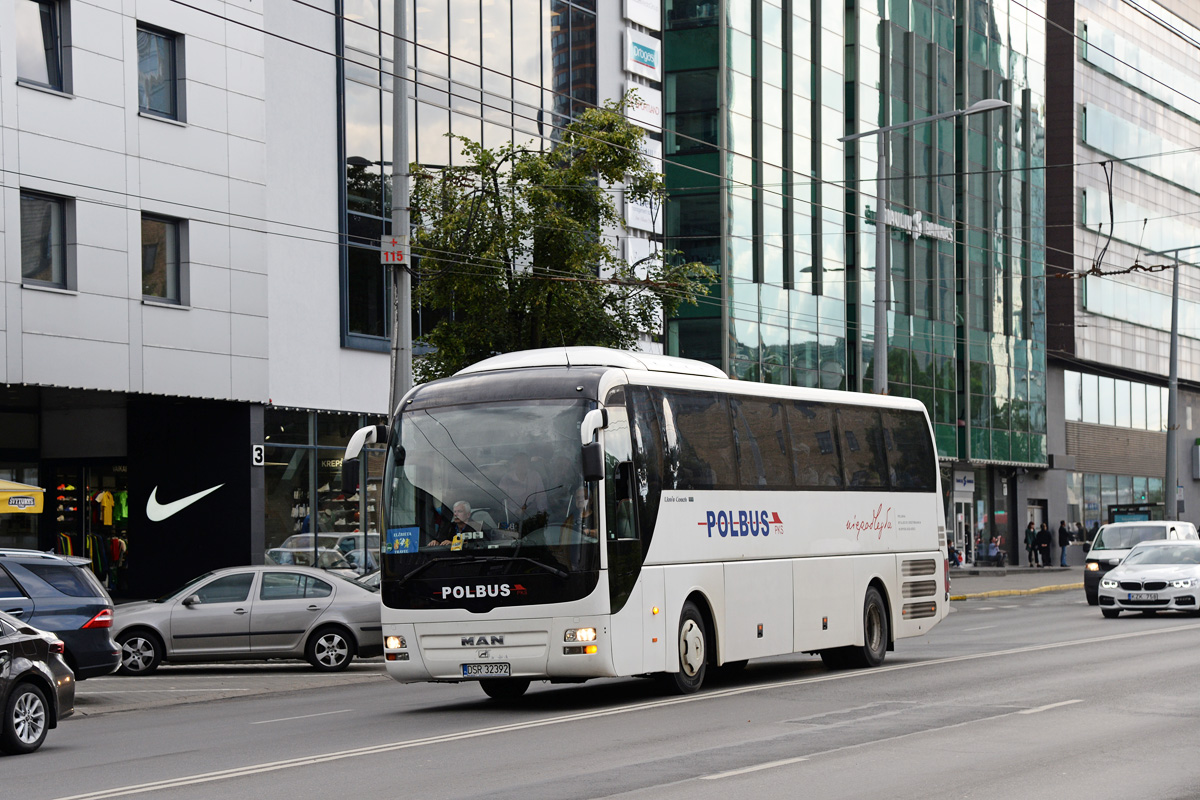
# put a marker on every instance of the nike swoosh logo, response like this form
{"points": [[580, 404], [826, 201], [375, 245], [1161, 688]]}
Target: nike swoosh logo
{"points": [[157, 511]]}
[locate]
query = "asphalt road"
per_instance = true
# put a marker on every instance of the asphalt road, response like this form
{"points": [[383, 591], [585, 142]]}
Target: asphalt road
{"points": [[1035, 697]]}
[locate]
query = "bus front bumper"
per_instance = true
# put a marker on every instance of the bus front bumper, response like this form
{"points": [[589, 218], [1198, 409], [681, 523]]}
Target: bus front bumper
{"points": [[551, 648]]}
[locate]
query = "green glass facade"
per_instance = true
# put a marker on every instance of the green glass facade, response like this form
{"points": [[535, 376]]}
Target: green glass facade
{"points": [[758, 92]]}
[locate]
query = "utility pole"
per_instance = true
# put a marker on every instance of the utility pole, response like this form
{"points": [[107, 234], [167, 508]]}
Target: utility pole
{"points": [[401, 357]]}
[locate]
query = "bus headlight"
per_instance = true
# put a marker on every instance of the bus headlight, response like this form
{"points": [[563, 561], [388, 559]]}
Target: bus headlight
{"points": [[395, 643], [579, 635]]}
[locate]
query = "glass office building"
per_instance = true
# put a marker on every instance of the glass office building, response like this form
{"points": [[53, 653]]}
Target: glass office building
{"points": [[757, 95]]}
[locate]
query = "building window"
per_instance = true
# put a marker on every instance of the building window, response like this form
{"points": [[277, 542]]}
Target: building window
{"points": [[43, 240], [39, 43], [160, 259], [159, 74]]}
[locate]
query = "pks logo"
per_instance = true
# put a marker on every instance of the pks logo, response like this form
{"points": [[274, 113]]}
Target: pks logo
{"points": [[481, 590], [878, 522], [21, 502], [742, 523]]}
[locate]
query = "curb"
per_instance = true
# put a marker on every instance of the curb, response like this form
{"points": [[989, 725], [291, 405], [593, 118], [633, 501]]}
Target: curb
{"points": [[1062, 587]]}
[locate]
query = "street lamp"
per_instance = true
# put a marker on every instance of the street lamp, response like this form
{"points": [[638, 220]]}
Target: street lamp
{"points": [[880, 384], [1170, 503]]}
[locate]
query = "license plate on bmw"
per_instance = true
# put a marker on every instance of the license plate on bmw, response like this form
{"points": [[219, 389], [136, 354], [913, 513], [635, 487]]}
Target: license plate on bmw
{"points": [[1142, 597], [496, 670]]}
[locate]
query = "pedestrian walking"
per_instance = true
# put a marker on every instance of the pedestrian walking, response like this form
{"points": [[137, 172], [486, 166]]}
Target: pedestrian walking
{"points": [[1064, 539], [1044, 543], [1030, 546]]}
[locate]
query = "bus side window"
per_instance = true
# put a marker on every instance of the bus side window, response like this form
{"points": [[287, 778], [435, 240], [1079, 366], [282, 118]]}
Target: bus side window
{"points": [[864, 460], [764, 460], [814, 445], [706, 459], [911, 459], [647, 457]]}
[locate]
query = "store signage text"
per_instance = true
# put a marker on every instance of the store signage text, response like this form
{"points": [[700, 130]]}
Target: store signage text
{"points": [[917, 226]]}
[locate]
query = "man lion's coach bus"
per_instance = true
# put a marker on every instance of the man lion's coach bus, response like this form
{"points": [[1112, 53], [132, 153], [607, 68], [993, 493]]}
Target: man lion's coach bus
{"points": [[580, 513]]}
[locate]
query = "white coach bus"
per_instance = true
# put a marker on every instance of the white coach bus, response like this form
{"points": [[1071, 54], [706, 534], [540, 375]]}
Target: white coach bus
{"points": [[580, 513]]}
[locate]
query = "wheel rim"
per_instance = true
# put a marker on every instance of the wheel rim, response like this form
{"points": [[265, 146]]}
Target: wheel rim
{"points": [[29, 718], [874, 628], [691, 647], [331, 650], [137, 654]]}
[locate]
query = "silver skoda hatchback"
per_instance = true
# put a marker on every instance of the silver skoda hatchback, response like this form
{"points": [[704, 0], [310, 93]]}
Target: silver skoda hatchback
{"points": [[253, 612]]}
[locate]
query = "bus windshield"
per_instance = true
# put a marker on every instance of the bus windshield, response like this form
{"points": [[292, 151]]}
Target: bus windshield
{"points": [[493, 484]]}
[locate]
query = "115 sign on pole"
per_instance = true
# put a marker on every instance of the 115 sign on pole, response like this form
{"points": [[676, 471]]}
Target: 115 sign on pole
{"points": [[393, 250]]}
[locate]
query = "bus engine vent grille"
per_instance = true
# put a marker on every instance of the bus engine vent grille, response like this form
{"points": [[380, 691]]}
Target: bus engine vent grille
{"points": [[920, 588], [926, 566], [920, 610]]}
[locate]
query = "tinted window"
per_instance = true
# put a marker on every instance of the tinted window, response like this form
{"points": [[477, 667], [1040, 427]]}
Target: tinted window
{"points": [[8, 587], [646, 430], [70, 580], [864, 461], [292, 586], [228, 589], [1126, 536], [911, 462], [699, 441], [814, 445], [761, 436]]}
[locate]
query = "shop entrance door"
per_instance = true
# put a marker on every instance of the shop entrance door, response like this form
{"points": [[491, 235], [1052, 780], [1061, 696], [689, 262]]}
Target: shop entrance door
{"points": [[964, 524]]}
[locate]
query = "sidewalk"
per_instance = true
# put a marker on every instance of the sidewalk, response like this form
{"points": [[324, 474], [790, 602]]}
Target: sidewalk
{"points": [[977, 583]]}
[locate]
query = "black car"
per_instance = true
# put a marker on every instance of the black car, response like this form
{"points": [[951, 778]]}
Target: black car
{"points": [[37, 688], [60, 594]]}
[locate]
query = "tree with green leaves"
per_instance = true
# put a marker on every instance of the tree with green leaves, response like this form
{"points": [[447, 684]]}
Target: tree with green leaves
{"points": [[512, 243]]}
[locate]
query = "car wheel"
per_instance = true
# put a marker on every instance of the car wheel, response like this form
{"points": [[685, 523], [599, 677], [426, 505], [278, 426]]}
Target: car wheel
{"points": [[1110, 613], [329, 650], [26, 720], [141, 652], [1093, 598], [504, 688]]}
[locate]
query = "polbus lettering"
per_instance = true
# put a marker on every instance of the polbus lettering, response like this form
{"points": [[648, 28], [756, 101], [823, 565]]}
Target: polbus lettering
{"points": [[738, 523], [477, 591]]}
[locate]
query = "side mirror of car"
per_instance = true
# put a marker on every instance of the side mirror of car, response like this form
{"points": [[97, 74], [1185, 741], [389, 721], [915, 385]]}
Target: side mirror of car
{"points": [[192, 600]]}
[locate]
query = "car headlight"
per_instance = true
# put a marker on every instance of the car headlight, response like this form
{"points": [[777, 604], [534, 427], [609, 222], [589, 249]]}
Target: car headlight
{"points": [[1186, 583], [1093, 566], [1108, 584], [395, 643]]}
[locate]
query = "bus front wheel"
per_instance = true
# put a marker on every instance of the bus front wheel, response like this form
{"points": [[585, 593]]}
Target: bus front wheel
{"points": [[691, 650]]}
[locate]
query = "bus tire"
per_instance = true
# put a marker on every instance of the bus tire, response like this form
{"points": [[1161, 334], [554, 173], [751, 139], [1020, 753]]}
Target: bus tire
{"points": [[875, 632], [835, 657], [691, 651], [504, 688]]}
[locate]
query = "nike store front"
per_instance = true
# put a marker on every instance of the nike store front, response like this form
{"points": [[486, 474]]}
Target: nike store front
{"points": [[159, 490]]}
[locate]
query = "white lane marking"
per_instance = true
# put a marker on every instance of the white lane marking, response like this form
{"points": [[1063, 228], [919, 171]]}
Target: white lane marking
{"points": [[337, 755], [986, 608], [980, 628], [158, 691], [1040, 709], [1010, 606], [755, 768], [305, 716]]}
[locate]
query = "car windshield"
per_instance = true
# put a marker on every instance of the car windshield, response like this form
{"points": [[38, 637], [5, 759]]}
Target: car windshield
{"points": [[1169, 554], [492, 482], [1123, 537], [183, 588]]}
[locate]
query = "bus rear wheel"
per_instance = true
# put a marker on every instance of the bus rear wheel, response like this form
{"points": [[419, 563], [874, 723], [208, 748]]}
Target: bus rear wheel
{"points": [[876, 633], [504, 688]]}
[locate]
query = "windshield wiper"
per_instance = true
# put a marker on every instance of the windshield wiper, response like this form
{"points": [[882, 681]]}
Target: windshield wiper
{"points": [[488, 559], [418, 570]]}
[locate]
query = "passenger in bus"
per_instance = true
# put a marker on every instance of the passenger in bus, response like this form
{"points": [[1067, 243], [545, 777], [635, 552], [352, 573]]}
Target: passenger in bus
{"points": [[460, 525]]}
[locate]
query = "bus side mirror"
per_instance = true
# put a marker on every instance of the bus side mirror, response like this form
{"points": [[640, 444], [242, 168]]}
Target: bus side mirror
{"points": [[350, 477], [593, 462], [372, 434]]}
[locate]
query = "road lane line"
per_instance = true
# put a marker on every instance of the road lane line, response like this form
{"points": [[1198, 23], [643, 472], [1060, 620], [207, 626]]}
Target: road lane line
{"points": [[1047, 708], [980, 628], [305, 716], [255, 769], [755, 768]]}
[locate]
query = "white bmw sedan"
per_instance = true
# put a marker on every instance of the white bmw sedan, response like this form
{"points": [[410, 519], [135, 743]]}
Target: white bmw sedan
{"points": [[1161, 575]]}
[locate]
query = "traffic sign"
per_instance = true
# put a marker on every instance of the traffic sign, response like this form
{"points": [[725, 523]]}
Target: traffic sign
{"points": [[393, 250]]}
